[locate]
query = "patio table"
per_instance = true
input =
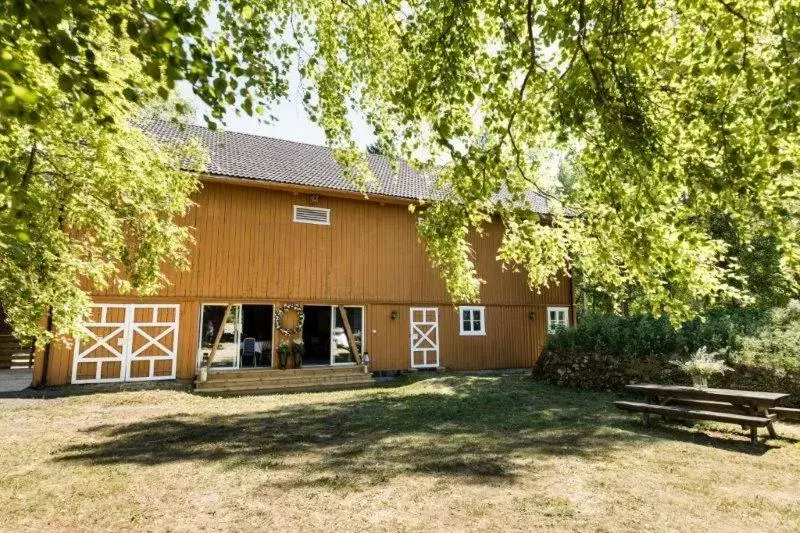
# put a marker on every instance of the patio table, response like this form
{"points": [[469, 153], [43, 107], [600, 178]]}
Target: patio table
{"points": [[751, 403]]}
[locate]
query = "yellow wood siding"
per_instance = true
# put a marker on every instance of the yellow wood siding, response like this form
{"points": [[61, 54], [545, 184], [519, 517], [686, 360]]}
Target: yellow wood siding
{"points": [[248, 249]]}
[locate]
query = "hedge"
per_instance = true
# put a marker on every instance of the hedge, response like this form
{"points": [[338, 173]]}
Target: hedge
{"points": [[608, 352]]}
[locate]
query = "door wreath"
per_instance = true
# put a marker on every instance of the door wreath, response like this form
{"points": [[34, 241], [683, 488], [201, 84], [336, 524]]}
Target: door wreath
{"points": [[279, 319]]}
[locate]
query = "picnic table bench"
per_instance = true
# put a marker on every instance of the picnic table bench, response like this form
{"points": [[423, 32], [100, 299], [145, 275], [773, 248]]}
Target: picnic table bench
{"points": [[749, 409]]}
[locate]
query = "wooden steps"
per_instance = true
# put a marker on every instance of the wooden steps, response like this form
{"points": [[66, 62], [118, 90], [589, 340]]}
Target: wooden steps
{"points": [[269, 381]]}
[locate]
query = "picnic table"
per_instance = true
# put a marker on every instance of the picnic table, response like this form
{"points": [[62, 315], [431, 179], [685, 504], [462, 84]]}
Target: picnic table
{"points": [[750, 409]]}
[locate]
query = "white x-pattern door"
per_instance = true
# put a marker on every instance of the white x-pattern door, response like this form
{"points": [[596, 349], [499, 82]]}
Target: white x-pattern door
{"points": [[127, 342], [424, 337]]}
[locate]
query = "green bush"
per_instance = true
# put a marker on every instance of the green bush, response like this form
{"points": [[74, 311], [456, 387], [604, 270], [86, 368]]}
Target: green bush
{"points": [[777, 344], [607, 352]]}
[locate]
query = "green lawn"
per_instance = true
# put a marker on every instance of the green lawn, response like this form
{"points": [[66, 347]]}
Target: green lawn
{"points": [[452, 452]]}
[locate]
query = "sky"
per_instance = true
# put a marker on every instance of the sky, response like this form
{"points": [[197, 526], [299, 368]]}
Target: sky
{"points": [[292, 124]]}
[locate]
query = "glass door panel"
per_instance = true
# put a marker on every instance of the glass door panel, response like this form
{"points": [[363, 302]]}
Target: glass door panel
{"points": [[317, 334], [341, 352], [227, 354], [256, 336]]}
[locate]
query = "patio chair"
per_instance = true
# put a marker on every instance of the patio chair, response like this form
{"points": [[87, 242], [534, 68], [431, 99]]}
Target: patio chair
{"points": [[249, 352], [265, 357]]}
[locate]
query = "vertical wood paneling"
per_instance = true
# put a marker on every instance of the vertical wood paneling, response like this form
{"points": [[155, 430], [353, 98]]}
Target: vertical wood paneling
{"points": [[388, 340], [249, 250]]}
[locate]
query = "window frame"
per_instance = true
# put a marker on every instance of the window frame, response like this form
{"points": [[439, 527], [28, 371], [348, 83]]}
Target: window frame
{"points": [[550, 324], [326, 210], [472, 308]]}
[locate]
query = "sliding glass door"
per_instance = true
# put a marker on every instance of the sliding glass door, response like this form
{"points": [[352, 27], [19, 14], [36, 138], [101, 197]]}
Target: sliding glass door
{"points": [[243, 341], [224, 336], [347, 346], [333, 334], [240, 335]]}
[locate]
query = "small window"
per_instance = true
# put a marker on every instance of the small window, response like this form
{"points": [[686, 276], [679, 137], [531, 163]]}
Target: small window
{"points": [[472, 320], [557, 318], [312, 215]]}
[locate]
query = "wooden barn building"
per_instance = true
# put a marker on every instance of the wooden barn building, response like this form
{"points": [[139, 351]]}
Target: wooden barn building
{"points": [[279, 235]]}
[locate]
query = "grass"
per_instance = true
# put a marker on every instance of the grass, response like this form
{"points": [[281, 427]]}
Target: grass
{"points": [[455, 452]]}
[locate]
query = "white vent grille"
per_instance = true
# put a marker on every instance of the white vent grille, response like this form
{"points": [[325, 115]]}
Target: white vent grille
{"points": [[312, 215]]}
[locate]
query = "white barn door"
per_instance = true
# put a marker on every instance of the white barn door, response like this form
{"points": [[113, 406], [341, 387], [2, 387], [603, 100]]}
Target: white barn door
{"points": [[424, 337], [100, 357], [127, 342]]}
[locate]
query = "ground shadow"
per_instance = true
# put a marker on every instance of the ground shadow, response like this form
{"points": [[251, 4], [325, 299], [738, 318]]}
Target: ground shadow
{"points": [[467, 427], [63, 391]]}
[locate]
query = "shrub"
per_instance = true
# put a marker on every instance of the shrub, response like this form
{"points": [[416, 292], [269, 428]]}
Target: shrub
{"points": [[777, 345], [608, 352]]}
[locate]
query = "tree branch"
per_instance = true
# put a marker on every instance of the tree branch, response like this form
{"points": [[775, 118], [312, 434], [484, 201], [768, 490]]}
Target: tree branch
{"points": [[26, 176], [580, 40]]}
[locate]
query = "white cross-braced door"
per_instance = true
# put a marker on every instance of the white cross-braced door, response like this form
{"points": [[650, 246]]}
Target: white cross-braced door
{"points": [[127, 342], [424, 337]]}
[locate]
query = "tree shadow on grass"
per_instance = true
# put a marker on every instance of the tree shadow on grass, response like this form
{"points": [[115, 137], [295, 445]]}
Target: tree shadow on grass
{"points": [[473, 428]]}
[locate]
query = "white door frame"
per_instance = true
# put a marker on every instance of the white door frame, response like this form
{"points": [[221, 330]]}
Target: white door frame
{"points": [[417, 336], [123, 351]]}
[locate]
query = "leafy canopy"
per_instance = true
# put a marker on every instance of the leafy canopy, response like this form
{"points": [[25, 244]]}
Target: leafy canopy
{"points": [[86, 199], [680, 109]]}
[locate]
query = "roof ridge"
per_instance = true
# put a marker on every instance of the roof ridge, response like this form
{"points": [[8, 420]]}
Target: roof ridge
{"points": [[245, 133]]}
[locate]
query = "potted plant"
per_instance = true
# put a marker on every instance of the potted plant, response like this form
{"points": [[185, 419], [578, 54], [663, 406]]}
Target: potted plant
{"points": [[702, 365], [298, 351], [284, 350]]}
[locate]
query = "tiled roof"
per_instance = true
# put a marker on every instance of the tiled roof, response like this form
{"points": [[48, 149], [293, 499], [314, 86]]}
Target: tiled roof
{"points": [[253, 157]]}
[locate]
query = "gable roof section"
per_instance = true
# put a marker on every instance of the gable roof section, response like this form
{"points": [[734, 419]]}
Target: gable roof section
{"points": [[253, 157]]}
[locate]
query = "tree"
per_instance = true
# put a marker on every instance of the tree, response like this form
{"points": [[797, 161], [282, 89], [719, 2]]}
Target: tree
{"points": [[84, 203], [682, 108], [374, 149]]}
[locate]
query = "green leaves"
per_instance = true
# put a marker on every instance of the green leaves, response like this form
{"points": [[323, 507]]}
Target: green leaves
{"points": [[674, 112], [87, 201]]}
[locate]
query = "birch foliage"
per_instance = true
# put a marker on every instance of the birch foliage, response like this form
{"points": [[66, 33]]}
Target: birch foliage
{"points": [[683, 110], [87, 201]]}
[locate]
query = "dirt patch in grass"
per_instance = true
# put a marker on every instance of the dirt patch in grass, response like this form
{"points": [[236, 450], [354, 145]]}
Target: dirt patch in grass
{"points": [[459, 452]]}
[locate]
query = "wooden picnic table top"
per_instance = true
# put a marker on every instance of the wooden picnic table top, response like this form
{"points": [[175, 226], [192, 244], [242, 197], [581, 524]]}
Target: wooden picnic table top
{"points": [[726, 395]]}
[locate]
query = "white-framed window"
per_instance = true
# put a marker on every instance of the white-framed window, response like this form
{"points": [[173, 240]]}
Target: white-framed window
{"points": [[312, 215], [472, 320], [557, 318]]}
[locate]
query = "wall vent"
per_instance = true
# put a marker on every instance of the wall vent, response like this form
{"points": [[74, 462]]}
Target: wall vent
{"points": [[312, 215]]}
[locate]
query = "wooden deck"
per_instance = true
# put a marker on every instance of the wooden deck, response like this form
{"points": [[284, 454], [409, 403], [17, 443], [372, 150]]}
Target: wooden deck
{"points": [[270, 381]]}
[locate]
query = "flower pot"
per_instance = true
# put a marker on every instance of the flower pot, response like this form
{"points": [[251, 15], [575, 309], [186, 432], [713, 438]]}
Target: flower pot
{"points": [[700, 382]]}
